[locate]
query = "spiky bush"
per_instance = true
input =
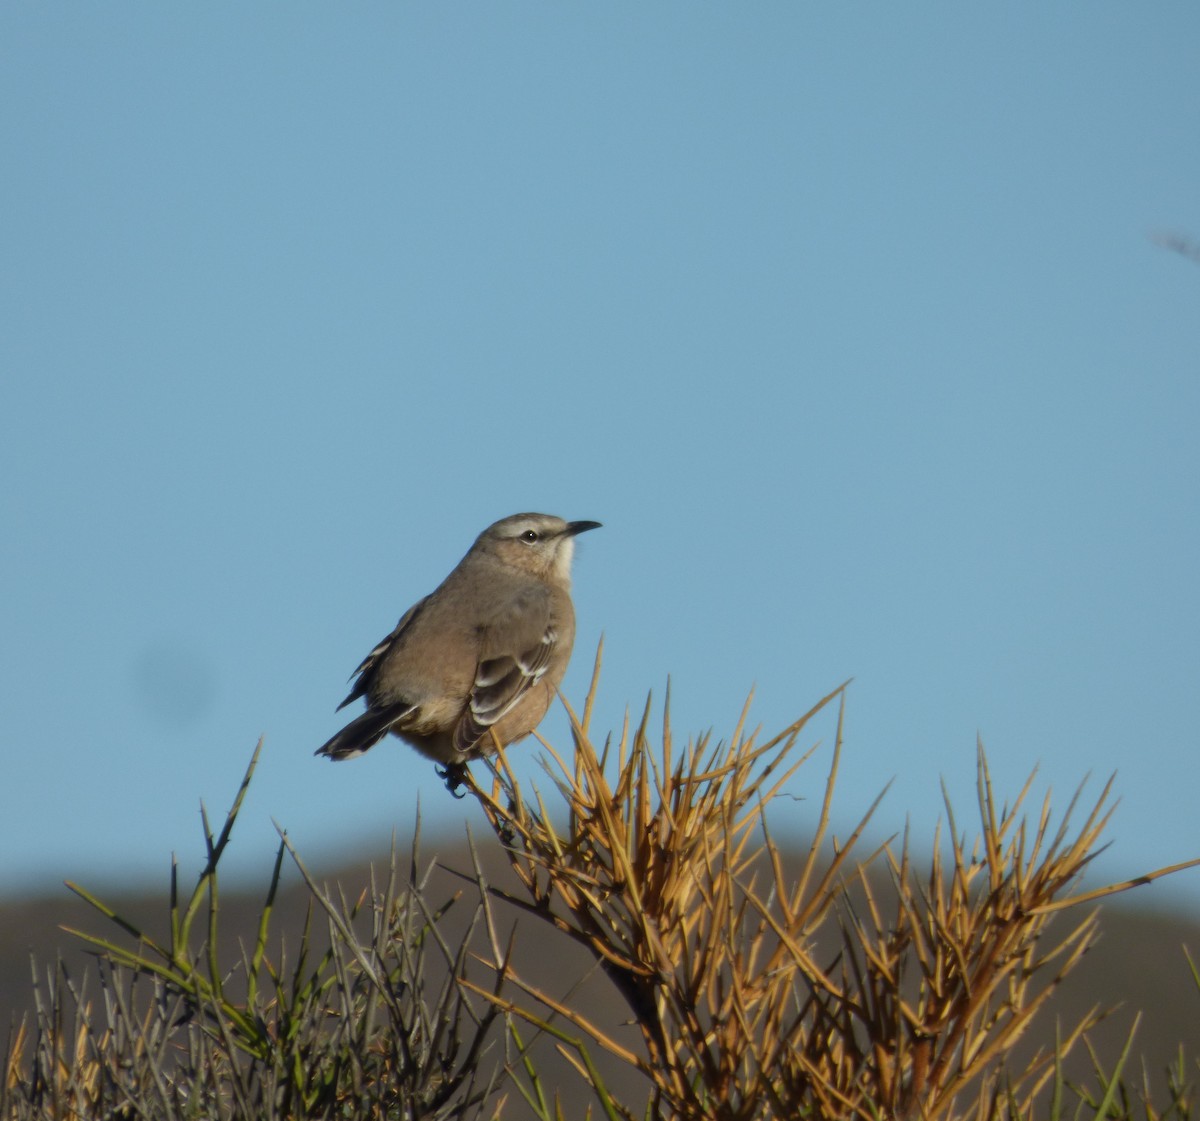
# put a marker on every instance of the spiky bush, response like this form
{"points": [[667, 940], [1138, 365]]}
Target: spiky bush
{"points": [[764, 992], [758, 990], [376, 1024]]}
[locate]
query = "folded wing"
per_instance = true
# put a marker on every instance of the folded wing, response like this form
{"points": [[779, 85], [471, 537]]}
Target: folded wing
{"points": [[500, 684]]}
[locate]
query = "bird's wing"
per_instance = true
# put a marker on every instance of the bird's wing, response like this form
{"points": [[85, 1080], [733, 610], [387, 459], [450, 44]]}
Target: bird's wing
{"points": [[500, 683], [369, 666]]}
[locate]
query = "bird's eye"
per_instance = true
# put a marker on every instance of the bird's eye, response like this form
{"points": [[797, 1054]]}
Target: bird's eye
{"points": [[530, 535]]}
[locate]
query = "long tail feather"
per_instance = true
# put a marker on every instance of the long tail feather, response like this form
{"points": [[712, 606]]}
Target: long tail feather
{"points": [[364, 732]]}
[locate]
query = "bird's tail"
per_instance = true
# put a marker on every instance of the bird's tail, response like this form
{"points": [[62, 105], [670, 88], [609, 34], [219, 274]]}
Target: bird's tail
{"points": [[363, 733]]}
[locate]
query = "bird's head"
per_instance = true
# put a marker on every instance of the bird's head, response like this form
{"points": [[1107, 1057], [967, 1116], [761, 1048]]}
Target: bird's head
{"points": [[540, 544]]}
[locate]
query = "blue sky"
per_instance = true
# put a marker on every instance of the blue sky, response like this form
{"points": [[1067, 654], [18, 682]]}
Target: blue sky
{"points": [[846, 321]]}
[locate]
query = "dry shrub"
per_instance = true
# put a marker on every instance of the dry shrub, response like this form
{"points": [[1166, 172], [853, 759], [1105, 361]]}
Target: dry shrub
{"points": [[763, 993], [853, 986]]}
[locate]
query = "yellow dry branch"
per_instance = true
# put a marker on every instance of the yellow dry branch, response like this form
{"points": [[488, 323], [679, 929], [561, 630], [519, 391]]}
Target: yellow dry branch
{"points": [[762, 990]]}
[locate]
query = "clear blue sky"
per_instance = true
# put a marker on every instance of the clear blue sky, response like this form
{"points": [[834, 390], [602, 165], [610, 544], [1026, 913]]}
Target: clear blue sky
{"points": [[847, 321]]}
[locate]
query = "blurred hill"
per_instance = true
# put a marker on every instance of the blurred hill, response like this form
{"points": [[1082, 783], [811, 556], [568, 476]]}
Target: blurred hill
{"points": [[1137, 965]]}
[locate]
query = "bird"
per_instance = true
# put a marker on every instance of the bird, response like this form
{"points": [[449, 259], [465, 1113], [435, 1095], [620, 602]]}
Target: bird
{"points": [[478, 660]]}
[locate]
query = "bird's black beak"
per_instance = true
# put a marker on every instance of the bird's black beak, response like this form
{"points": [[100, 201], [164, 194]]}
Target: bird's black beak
{"points": [[574, 528]]}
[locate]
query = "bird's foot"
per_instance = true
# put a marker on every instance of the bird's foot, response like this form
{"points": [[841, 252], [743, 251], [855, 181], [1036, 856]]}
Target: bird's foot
{"points": [[453, 775]]}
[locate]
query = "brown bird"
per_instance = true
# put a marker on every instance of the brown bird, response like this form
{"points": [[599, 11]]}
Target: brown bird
{"points": [[479, 657]]}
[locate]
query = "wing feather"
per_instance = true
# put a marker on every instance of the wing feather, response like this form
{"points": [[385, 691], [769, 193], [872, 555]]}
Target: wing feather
{"points": [[369, 666], [500, 684]]}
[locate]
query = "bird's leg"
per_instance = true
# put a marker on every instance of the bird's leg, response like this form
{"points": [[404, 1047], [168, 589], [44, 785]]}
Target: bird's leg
{"points": [[453, 775]]}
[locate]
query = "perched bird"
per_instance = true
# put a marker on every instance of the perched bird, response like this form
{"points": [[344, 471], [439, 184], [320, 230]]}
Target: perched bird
{"points": [[479, 657]]}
